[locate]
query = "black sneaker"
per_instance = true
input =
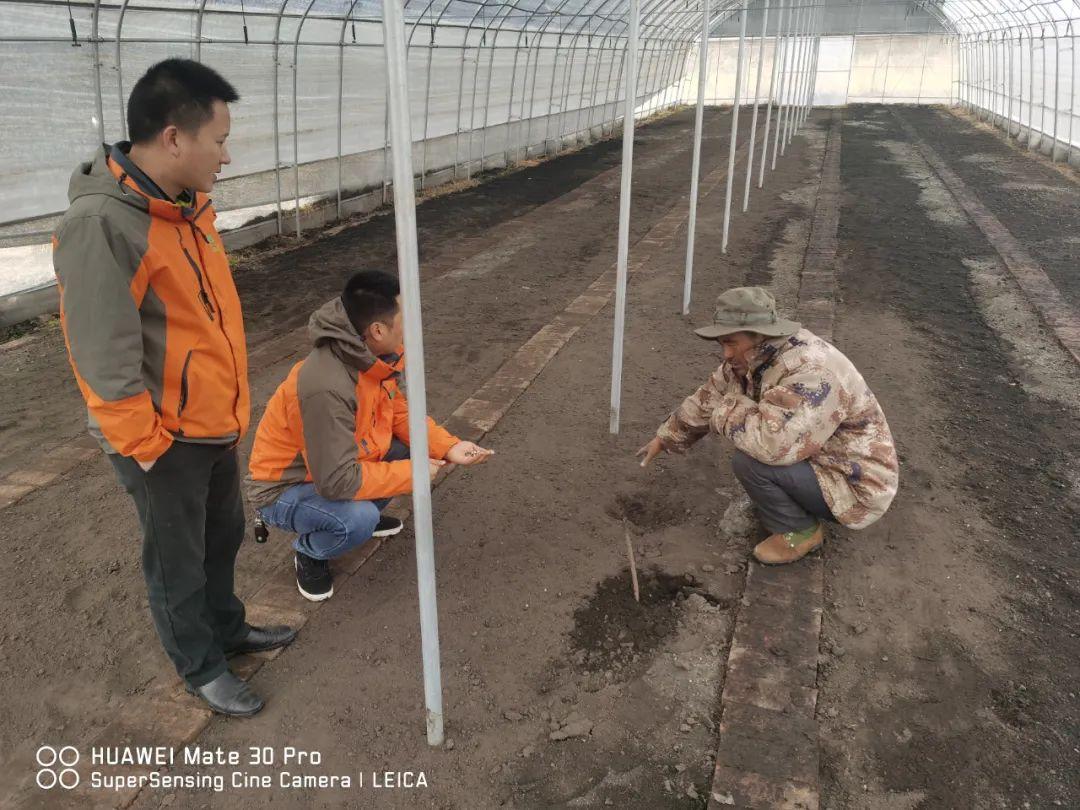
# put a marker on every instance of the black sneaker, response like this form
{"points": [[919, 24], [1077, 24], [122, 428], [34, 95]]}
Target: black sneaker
{"points": [[388, 526], [313, 578]]}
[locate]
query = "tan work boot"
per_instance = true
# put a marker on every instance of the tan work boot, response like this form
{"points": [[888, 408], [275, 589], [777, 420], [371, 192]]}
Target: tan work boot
{"points": [[780, 549]]}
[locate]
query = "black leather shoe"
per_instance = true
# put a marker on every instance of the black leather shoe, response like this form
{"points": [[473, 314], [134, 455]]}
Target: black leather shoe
{"points": [[228, 695], [259, 639]]}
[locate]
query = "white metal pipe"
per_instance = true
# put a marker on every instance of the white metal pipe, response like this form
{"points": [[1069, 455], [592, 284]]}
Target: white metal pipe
{"points": [[733, 143], [800, 87], [796, 75], [427, 103], [757, 99], [296, 113], [691, 222], [1072, 88], [99, 102], [769, 105], [814, 45], [409, 274], [1057, 93], [622, 263], [1031, 91], [785, 46], [277, 126], [794, 44], [800, 80]]}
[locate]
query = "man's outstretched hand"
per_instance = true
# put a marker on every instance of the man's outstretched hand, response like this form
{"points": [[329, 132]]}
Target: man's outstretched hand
{"points": [[466, 453], [650, 451]]}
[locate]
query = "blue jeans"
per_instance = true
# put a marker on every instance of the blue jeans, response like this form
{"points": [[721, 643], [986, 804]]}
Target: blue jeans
{"points": [[324, 528]]}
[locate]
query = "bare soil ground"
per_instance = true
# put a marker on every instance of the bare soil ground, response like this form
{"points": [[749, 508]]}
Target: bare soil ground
{"points": [[950, 640], [500, 261], [950, 635]]}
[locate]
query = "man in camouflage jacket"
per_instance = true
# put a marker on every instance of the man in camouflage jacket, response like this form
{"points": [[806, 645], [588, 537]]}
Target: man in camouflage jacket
{"points": [[811, 441]]}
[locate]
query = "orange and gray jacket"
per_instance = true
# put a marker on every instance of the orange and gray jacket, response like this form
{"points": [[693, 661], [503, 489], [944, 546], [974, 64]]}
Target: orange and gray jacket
{"points": [[332, 421], [151, 317]]}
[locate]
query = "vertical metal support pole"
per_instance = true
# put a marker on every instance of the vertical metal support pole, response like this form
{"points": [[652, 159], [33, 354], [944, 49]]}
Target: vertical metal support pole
{"points": [[539, 39], [99, 103], [999, 71], [798, 68], [1020, 85], [1031, 89], [595, 90], [785, 44], [277, 127], [691, 222], [1072, 90], [757, 98], [296, 118], [1042, 89], [714, 99], [409, 274], [581, 92], [340, 111], [616, 86], [622, 264], [804, 81], [1008, 86], [980, 90], [487, 101], [963, 71], [510, 103], [800, 84], [1000, 86], [460, 101], [427, 109], [551, 94], [796, 51], [645, 70], [472, 113], [120, 72], [733, 142], [568, 76], [769, 105], [1057, 93], [814, 44]]}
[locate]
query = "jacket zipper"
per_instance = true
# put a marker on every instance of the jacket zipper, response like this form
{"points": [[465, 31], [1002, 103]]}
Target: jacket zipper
{"points": [[184, 385]]}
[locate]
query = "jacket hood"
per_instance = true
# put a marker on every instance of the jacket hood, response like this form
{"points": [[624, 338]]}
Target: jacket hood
{"points": [[329, 325]]}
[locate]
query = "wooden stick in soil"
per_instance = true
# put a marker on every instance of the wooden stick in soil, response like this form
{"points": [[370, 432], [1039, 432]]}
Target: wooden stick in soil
{"points": [[633, 565]]}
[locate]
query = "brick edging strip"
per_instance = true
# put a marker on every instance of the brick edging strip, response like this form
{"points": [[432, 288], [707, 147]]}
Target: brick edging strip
{"points": [[767, 753]]}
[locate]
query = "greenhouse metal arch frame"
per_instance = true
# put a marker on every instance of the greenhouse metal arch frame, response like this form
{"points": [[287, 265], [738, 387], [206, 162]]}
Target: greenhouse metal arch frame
{"points": [[547, 74], [554, 41]]}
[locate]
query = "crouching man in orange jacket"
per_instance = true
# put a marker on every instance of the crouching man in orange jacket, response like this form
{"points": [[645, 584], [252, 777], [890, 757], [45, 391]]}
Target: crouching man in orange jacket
{"points": [[332, 448]]}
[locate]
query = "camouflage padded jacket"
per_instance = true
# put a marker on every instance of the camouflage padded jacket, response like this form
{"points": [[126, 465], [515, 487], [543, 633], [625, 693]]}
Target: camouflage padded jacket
{"points": [[801, 399]]}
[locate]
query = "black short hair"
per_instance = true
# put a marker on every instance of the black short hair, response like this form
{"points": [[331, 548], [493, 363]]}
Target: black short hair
{"points": [[370, 296], [178, 92]]}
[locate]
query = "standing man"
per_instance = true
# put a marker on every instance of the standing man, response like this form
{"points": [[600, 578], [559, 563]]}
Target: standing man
{"points": [[155, 337], [332, 448], [811, 441]]}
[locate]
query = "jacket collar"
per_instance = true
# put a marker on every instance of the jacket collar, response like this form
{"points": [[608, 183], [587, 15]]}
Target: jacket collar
{"points": [[190, 205]]}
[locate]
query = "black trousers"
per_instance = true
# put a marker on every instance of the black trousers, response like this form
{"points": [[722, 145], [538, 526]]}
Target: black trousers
{"points": [[192, 518]]}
